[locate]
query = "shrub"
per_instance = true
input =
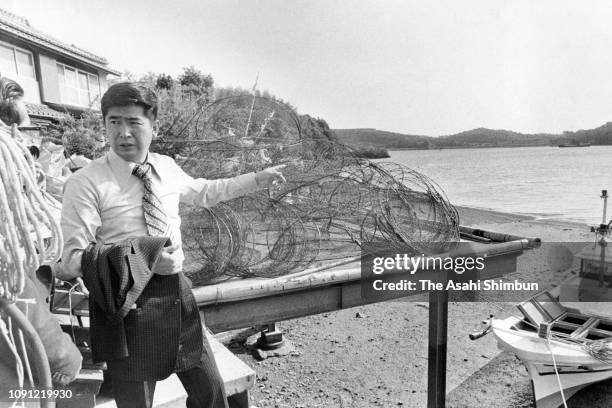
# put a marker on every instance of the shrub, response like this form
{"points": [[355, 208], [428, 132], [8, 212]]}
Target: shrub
{"points": [[83, 136]]}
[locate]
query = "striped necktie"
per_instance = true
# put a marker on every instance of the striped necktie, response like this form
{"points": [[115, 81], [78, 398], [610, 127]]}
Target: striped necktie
{"points": [[155, 217]]}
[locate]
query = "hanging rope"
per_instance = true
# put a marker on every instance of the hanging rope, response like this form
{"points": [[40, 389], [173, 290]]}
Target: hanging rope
{"points": [[29, 235]]}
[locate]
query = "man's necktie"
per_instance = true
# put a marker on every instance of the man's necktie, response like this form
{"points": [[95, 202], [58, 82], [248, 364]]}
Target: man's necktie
{"points": [[155, 217]]}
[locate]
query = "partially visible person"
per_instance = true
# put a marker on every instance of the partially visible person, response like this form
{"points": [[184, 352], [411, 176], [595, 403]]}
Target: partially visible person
{"points": [[13, 109], [53, 163], [63, 356], [52, 157], [41, 180], [34, 151], [76, 161]]}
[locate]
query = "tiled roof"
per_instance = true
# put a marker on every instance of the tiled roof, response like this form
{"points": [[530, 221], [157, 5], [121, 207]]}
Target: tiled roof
{"points": [[43, 111], [20, 27]]}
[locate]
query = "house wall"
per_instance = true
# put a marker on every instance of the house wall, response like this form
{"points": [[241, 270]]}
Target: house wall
{"points": [[72, 64], [29, 85], [103, 82], [46, 87], [50, 91]]}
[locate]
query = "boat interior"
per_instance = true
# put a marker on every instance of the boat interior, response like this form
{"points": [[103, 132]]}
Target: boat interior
{"points": [[543, 312]]}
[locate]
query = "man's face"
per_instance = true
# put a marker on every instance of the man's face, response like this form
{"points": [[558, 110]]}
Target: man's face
{"points": [[129, 131]]}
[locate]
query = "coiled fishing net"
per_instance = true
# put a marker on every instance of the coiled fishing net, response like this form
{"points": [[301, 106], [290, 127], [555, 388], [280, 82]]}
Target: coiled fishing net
{"points": [[332, 204], [240, 134]]}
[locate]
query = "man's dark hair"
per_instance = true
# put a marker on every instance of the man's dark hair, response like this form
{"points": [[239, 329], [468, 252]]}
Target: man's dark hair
{"points": [[10, 93], [34, 151], [130, 93]]}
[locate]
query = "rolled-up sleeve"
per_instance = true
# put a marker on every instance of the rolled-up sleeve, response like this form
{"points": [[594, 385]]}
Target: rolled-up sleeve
{"points": [[207, 193], [80, 221]]}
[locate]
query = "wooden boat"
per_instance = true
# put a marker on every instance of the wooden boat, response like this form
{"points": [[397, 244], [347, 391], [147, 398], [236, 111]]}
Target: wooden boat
{"points": [[574, 145], [557, 347]]}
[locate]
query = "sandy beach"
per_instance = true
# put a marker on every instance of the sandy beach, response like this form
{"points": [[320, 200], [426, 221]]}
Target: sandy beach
{"points": [[376, 355]]}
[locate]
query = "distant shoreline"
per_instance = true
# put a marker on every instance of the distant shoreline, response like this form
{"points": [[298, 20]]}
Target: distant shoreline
{"points": [[469, 147], [474, 139]]}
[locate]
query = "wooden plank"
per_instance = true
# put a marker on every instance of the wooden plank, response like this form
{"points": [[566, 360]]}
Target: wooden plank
{"points": [[246, 289], [264, 310], [168, 393], [582, 331], [84, 389], [274, 306], [237, 376], [278, 306]]}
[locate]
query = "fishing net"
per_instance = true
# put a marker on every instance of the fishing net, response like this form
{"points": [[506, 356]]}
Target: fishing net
{"points": [[240, 134], [332, 204]]}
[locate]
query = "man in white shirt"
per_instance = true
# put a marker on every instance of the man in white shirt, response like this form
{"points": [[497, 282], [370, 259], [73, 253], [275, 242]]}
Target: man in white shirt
{"points": [[103, 203]]}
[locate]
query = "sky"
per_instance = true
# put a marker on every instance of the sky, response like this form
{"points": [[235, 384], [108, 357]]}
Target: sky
{"points": [[420, 67]]}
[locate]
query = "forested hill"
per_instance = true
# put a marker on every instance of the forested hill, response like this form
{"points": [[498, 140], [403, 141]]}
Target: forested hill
{"points": [[483, 137], [480, 137], [380, 138], [601, 135]]}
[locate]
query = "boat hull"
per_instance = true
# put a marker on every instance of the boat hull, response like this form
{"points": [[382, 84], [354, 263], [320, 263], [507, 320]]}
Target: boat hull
{"points": [[576, 368], [546, 390]]}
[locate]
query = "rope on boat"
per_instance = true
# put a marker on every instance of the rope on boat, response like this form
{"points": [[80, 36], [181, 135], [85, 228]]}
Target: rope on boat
{"points": [[552, 355], [600, 350]]}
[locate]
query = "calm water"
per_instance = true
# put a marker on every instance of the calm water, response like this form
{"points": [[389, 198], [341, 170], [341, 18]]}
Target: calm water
{"points": [[548, 182]]}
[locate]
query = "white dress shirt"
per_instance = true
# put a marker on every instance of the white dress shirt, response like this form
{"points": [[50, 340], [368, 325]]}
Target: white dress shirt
{"points": [[103, 203]]}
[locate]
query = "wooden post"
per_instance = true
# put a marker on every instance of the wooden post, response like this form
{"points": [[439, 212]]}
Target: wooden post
{"points": [[436, 363]]}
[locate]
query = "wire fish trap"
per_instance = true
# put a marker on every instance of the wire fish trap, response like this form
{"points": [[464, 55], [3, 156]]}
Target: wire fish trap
{"points": [[365, 202], [252, 119], [332, 204], [411, 209], [319, 217], [334, 200], [281, 241], [214, 238], [248, 237], [239, 134]]}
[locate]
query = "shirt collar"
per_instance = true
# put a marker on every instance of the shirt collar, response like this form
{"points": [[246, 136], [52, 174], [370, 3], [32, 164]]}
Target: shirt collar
{"points": [[122, 169]]}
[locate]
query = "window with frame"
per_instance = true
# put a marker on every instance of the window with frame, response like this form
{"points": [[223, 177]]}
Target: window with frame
{"points": [[15, 61], [78, 88]]}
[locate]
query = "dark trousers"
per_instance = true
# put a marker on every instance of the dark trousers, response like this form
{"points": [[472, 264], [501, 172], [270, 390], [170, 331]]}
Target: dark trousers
{"points": [[203, 385]]}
